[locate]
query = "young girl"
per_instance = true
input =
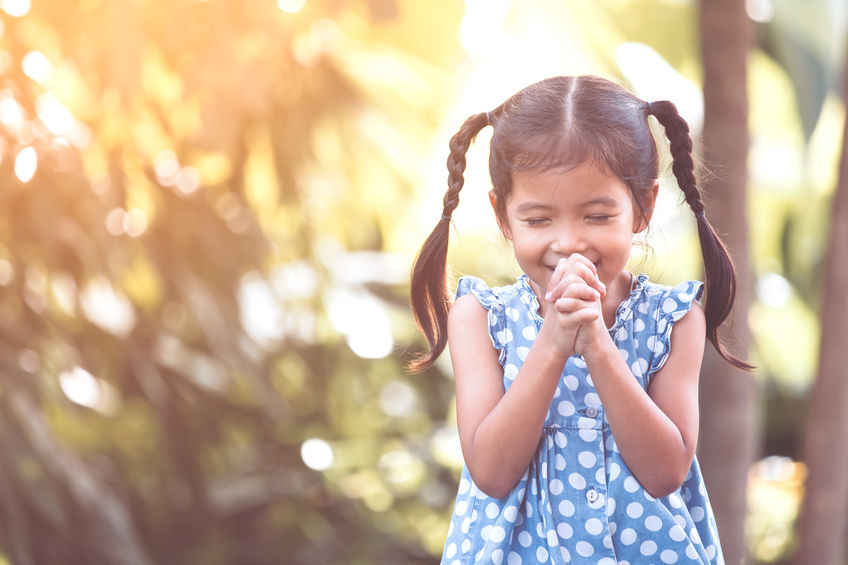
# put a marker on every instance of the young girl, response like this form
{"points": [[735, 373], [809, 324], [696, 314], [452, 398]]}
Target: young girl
{"points": [[577, 405]]}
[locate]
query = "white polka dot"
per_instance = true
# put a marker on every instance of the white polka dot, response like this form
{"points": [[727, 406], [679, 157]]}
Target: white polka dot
{"points": [[587, 459], [631, 484], [465, 525], [668, 556], [711, 551], [504, 336], [529, 333], [540, 530], [512, 314], [559, 462], [584, 548], [514, 558], [522, 352], [614, 471], [674, 500], [556, 487], [694, 536], [600, 475], [638, 325], [585, 423], [594, 526], [566, 555], [560, 439], [690, 552], [566, 408], [697, 513], [450, 529], [607, 561], [497, 534], [634, 510], [525, 539], [611, 507], [564, 530], [566, 508], [541, 555], [648, 548], [639, 367], [528, 510], [621, 334], [510, 513], [589, 436], [676, 533], [492, 511], [579, 361], [653, 523], [450, 550], [669, 305], [577, 481], [510, 371], [464, 486], [485, 532], [592, 400], [571, 382], [497, 556], [461, 507], [628, 536], [553, 540]]}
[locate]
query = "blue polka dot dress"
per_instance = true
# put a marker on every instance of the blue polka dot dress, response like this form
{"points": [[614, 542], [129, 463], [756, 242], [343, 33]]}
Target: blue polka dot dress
{"points": [[578, 502]]}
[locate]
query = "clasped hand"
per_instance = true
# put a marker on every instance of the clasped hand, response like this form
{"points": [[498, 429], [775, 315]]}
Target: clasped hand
{"points": [[574, 294]]}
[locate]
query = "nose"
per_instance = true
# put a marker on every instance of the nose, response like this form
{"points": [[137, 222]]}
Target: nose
{"points": [[567, 240]]}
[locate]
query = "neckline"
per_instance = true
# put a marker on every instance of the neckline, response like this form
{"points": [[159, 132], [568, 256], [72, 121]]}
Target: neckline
{"points": [[624, 308]]}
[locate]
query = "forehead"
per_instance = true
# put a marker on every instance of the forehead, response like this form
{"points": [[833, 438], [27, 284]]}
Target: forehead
{"points": [[586, 184]]}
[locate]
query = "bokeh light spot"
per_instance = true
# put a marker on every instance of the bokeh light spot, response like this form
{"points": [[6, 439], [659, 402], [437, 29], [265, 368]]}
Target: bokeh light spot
{"points": [[26, 163], [37, 67], [16, 8], [291, 6], [317, 454], [80, 387]]}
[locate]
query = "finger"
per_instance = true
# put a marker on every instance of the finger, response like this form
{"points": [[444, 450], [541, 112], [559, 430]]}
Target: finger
{"points": [[580, 315], [588, 271], [582, 292], [566, 282]]}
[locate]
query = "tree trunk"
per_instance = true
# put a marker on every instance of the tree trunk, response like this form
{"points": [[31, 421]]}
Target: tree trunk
{"points": [[823, 512], [728, 395]]}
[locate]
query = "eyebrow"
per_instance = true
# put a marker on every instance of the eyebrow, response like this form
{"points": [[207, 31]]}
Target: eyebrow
{"points": [[525, 207], [608, 201]]}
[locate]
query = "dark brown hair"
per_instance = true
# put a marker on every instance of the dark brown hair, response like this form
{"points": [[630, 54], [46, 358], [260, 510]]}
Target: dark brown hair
{"points": [[559, 123]]}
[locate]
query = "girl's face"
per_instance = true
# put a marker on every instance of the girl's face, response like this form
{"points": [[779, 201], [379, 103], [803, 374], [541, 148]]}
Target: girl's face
{"points": [[552, 214]]}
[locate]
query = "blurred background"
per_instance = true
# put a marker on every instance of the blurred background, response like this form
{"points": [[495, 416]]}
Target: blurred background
{"points": [[208, 212]]}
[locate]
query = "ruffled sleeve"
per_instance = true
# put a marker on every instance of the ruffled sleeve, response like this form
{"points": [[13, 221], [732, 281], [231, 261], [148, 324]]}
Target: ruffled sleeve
{"points": [[494, 304], [672, 305]]}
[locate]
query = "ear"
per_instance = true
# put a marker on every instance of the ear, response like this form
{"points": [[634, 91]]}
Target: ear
{"points": [[648, 200], [503, 226]]}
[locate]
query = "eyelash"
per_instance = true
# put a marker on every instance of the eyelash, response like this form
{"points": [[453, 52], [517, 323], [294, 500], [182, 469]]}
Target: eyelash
{"points": [[591, 219]]}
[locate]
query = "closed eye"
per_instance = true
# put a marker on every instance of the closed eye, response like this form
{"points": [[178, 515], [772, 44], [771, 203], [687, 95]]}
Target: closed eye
{"points": [[535, 221], [598, 219]]}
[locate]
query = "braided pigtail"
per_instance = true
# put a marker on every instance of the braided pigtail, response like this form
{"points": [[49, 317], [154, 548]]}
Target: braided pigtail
{"points": [[429, 295], [719, 273]]}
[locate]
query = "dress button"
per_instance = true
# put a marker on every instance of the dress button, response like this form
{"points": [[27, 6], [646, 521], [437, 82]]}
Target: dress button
{"points": [[592, 412], [591, 495]]}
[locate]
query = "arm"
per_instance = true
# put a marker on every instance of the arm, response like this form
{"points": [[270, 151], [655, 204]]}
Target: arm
{"points": [[499, 432], [655, 431]]}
